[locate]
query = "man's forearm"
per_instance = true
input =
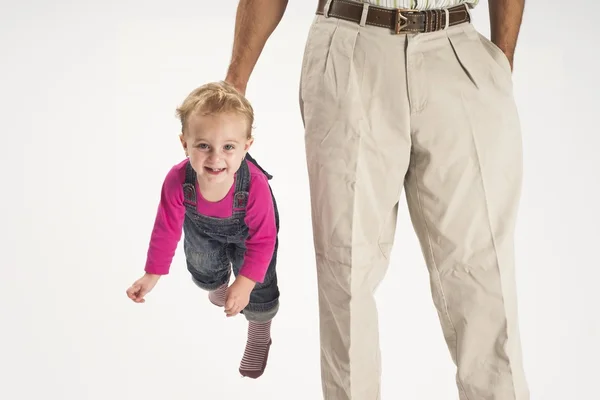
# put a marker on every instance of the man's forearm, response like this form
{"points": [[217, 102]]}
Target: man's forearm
{"points": [[255, 21], [505, 22]]}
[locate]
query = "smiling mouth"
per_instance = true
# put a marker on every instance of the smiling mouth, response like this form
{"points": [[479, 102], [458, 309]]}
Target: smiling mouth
{"points": [[214, 171]]}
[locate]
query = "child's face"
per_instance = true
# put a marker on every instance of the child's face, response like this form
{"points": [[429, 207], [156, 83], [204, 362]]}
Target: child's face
{"points": [[216, 145]]}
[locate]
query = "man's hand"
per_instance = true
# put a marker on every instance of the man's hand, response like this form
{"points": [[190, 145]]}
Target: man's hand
{"points": [[238, 295], [505, 23], [142, 287]]}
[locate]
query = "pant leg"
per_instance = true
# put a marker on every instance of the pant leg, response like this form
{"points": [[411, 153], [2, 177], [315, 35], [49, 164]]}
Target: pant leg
{"points": [[463, 190], [264, 298], [207, 261], [354, 106]]}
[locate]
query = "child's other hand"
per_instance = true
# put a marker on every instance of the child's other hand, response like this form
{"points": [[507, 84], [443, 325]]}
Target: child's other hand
{"points": [[238, 295], [142, 287]]}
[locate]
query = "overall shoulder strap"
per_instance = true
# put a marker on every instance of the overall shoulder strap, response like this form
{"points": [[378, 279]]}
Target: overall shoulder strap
{"points": [[242, 186], [189, 186], [253, 161]]}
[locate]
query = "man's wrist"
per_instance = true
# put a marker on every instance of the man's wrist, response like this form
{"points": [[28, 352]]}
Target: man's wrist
{"points": [[509, 55], [505, 23], [237, 82]]}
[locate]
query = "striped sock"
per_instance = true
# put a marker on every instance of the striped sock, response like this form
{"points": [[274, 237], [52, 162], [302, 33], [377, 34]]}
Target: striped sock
{"points": [[257, 349], [217, 296]]}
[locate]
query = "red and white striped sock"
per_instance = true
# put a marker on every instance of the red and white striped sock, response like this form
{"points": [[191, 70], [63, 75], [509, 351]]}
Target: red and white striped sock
{"points": [[217, 296], [257, 349]]}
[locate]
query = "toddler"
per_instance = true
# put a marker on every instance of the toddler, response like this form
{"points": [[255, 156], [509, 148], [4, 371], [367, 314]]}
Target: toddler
{"points": [[222, 201]]}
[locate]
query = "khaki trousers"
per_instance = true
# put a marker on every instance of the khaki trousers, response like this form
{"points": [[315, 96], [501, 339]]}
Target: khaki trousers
{"points": [[434, 114]]}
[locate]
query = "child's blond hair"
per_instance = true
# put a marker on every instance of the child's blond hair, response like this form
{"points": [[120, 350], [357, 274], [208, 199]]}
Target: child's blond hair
{"points": [[215, 98]]}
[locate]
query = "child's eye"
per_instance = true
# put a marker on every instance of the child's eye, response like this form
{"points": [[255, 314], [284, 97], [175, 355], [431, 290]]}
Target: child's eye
{"points": [[203, 146], [229, 147]]}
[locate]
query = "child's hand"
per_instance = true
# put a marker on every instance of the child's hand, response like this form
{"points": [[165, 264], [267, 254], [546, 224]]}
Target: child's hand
{"points": [[142, 287], [238, 295]]}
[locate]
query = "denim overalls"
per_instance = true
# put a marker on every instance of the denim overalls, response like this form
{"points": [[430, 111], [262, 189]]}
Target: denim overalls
{"points": [[215, 246]]}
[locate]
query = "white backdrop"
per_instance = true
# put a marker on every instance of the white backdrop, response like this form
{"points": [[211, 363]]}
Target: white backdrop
{"points": [[88, 92]]}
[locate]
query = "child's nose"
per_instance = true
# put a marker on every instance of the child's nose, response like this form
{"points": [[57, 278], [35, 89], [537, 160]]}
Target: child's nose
{"points": [[214, 157]]}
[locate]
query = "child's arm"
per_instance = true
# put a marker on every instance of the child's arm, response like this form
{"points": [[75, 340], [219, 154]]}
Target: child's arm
{"points": [[168, 225], [260, 218], [165, 236]]}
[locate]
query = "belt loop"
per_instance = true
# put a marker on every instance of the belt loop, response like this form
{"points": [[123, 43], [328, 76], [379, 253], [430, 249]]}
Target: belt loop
{"points": [[468, 10], [365, 11], [326, 8], [447, 18]]}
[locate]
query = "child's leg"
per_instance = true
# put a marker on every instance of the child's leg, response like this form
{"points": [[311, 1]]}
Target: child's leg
{"points": [[260, 311], [217, 296], [258, 343], [263, 306], [210, 270]]}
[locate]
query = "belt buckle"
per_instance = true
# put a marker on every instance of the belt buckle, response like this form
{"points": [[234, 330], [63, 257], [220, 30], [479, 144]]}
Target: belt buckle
{"points": [[401, 20]]}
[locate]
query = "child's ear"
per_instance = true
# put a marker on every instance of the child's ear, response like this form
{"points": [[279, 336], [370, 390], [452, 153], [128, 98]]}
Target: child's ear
{"points": [[183, 144], [248, 144]]}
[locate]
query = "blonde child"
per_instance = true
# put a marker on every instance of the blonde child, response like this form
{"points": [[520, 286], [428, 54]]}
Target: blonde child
{"points": [[221, 199]]}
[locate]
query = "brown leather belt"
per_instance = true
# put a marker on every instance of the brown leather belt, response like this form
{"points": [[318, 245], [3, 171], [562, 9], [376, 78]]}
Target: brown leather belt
{"points": [[398, 20]]}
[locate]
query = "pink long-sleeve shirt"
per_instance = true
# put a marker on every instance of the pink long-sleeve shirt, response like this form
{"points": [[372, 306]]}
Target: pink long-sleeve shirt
{"points": [[168, 225]]}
